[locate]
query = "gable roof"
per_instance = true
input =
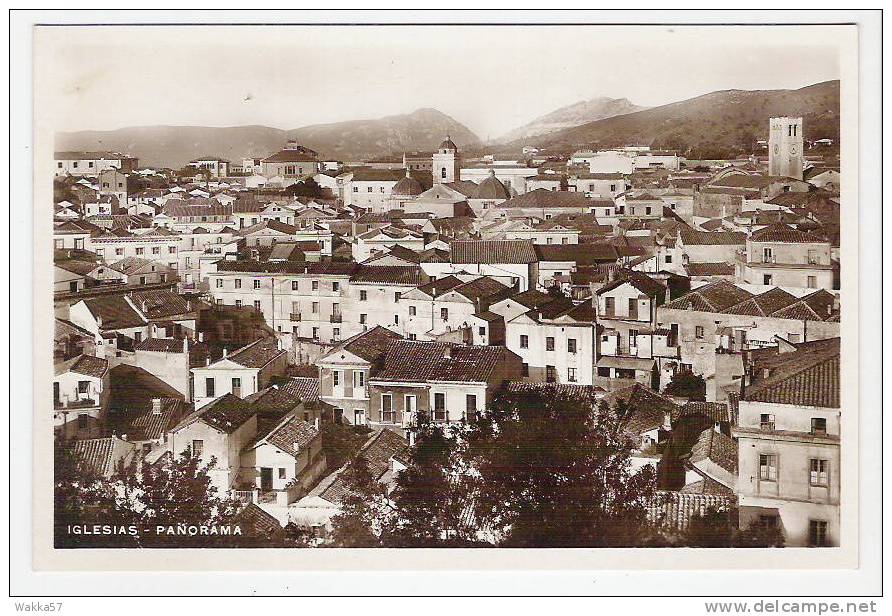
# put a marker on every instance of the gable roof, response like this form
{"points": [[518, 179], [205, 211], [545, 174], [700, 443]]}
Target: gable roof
{"points": [[372, 344], [764, 304], [639, 280], [716, 447], [647, 408], [377, 451], [693, 237], [100, 455]]}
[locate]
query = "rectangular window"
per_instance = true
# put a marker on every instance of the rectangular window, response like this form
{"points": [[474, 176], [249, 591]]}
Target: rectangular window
{"points": [[363, 296], [481, 330], [819, 426], [238, 283], [281, 473], [363, 318], [768, 467], [315, 308], [817, 533], [549, 343], [197, 447], [315, 285], [119, 251], [470, 407], [83, 421], [571, 375], [550, 374], [698, 332], [411, 311], [209, 389], [315, 333], [294, 285], [444, 314], [156, 250], [525, 370], [387, 414], [818, 473], [571, 345], [83, 387], [336, 377], [140, 251], [812, 282], [336, 332], [609, 306], [256, 284], [767, 255], [397, 296], [256, 304], [766, 421], [524, 341], [335, 286]]}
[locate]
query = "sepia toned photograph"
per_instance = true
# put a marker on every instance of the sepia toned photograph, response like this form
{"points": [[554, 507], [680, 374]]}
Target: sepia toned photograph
{"points": [[451, 287]]}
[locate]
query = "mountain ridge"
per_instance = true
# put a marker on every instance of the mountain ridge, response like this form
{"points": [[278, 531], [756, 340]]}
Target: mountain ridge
{"points": [[568, 116]]}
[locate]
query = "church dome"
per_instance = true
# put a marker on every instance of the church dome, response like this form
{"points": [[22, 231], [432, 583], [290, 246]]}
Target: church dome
{"points": [[448, 145], [407, 187], [492, 188]]}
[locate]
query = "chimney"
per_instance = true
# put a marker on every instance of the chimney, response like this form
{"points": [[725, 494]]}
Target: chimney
{"points": [[224, 351], [201, 336], [447, 352], [156, 406]]}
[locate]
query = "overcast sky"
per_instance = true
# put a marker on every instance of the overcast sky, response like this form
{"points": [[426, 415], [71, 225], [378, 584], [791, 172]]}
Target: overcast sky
{"points": [[491, 79]]}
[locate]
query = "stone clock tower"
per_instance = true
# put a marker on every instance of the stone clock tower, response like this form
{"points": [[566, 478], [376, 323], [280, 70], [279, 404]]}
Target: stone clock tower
{"points": [[785, 147]]}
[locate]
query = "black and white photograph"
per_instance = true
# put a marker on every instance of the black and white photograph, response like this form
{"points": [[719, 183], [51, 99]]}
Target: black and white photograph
{"points": [[489, 290]]}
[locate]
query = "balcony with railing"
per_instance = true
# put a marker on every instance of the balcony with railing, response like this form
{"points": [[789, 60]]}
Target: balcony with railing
{"points": [[79, 402], [336, 318], [295, 316]]}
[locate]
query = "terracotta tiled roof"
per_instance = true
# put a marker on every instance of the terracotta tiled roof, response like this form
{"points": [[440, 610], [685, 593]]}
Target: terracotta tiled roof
{"points": [[542, 198], [764, 304], [256, 522], [712, 297], [482, 288], [390, 274], [648, 409], [227, 413], [785, 234], [587, 393], [675, 509], [640, 281], [160, 345], [581, 254], [291, 435], [716, 411], [818, 306], [114, 311], [100, 455], [161, 303], [372, 344], [257, 354], [715, 446], [710, 269], [415, 361], [692, 237], [493, 251], [289, 156], [149, 421], [377, 451], [87, 365], [440, 285], [808, 376]]}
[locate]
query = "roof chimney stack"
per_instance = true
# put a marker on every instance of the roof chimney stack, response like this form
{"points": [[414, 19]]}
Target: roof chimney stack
{"points": [[447, 352]]}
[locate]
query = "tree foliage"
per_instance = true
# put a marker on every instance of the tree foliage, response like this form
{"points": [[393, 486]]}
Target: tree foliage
{"points": [[686, 384], [554, 472]]}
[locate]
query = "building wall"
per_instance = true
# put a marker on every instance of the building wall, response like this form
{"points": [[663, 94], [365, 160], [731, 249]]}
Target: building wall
{"points": [[785, 147], [226, 448], [537, 358]]}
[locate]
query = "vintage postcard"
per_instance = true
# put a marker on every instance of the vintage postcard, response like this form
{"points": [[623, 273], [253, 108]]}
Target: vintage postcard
{"points": [[328, 297]]}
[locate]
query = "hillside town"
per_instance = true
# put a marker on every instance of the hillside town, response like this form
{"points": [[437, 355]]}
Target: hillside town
{"points": [[279, 318]]}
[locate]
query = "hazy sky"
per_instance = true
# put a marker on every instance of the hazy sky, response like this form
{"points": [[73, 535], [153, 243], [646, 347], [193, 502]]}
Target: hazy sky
{"points": [[492, 79]]}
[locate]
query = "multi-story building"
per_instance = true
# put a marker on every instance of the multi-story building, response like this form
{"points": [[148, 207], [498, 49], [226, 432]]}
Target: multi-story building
{"points": [[781, 255], [448, 382], [91, 163], [788, 431], [785, 140], [240, 373]]}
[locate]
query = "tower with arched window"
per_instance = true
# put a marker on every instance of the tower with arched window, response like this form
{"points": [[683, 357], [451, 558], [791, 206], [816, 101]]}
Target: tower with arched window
{"points": [[445, 167]]}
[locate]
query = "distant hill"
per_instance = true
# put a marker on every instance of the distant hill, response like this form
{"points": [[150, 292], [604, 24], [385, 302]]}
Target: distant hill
{"points": [[174, 146], [572, 115], [710, 126]]}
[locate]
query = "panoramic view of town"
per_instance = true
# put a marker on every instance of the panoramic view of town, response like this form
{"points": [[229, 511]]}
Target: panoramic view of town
{"points": [[617, 325]]}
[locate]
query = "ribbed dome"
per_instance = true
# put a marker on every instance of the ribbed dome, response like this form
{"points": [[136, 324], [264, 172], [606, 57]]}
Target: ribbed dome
{"points": [[448, 145], [492, 188], [407, 187]]}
